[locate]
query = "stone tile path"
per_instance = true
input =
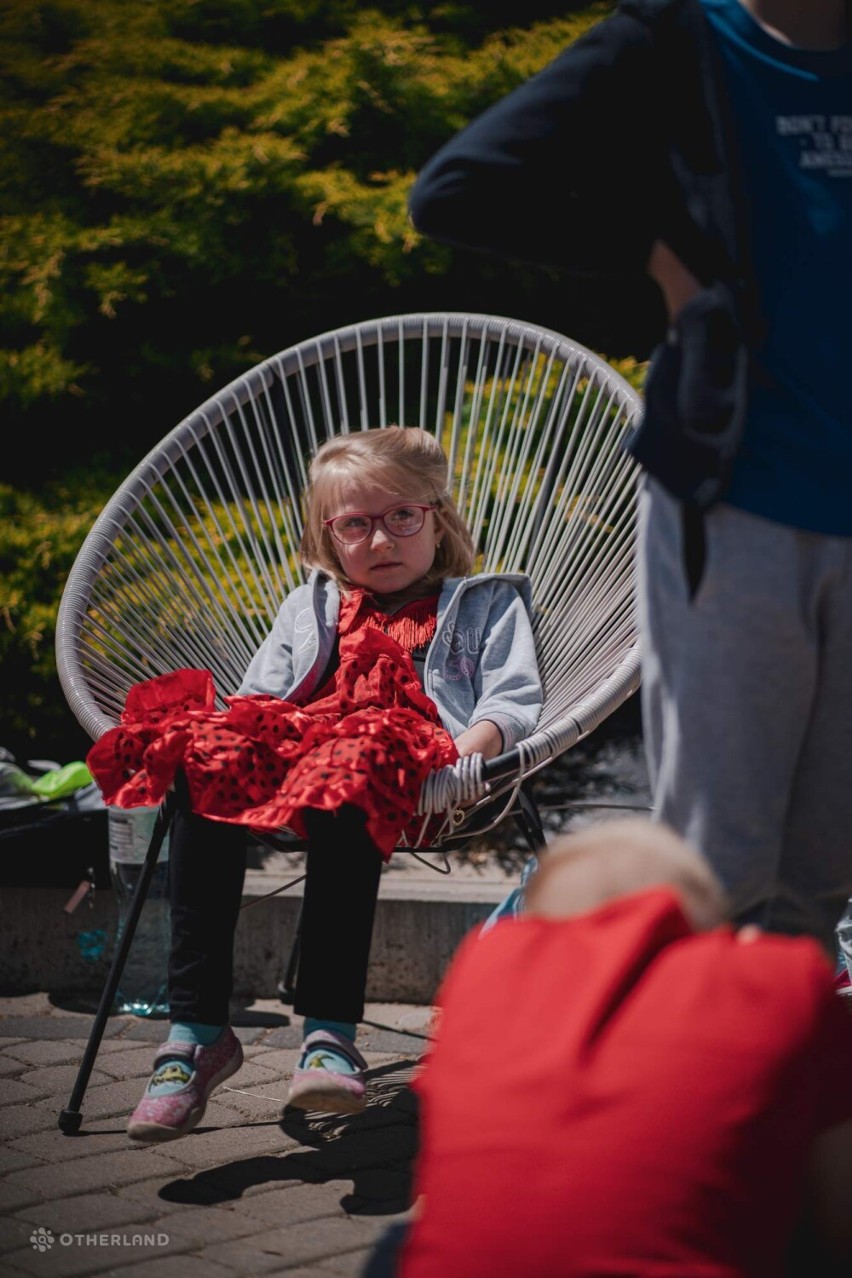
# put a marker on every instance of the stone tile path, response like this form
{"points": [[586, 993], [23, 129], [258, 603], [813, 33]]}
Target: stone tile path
{"points": [[250, 1192]]}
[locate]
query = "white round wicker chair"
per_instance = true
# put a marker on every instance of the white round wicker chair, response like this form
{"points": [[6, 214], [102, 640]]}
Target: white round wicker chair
{"points": [[189, 561]]}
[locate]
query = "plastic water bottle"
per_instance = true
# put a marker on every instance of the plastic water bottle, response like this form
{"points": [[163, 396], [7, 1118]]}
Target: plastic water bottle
{"points": [[843, 933], [143, 987]]}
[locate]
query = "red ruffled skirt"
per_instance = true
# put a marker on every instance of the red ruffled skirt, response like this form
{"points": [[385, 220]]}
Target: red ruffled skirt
{"points": [[263, 761]]}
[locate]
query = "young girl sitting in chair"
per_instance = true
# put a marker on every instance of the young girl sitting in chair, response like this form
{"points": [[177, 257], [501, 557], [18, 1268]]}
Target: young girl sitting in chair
{"points": [[390, 662]]}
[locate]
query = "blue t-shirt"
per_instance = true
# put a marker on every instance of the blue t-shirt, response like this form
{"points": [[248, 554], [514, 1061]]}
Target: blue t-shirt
{"points": [[793, 118]]}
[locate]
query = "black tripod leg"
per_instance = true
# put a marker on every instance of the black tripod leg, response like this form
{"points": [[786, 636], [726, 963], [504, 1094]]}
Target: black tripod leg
{"points": [[71, 1118], [287, 984]]}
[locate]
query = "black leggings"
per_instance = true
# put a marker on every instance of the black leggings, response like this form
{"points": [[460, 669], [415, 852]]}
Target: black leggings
{"points": [[207, 861]]}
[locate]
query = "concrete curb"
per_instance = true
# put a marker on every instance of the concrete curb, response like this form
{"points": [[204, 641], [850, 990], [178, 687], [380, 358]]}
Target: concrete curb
{"points": [[420, 919]]}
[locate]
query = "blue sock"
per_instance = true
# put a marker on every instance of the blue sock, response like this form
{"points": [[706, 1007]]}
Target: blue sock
{"points": [[346, 1028], [171, 1075], [194, 1032], [326, 1057]]}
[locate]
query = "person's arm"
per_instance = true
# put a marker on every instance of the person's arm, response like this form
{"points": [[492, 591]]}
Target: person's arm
{"points": [[483, 738], [271, 668], [506, 683], [676, 282], [562, 170]]}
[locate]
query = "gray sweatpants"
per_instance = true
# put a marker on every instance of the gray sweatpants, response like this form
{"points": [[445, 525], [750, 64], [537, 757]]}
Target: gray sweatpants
{"points": [[747, 705]]}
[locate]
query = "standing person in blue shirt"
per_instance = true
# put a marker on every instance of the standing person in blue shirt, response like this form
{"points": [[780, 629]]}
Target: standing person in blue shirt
{"points": [[709, 144]]}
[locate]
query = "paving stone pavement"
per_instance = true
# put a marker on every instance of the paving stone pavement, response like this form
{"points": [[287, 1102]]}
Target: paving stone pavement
{"points": [[249, 1192]]}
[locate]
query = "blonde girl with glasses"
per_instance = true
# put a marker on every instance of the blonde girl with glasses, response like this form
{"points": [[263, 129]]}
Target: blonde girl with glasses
{"points": [[392, 660]]}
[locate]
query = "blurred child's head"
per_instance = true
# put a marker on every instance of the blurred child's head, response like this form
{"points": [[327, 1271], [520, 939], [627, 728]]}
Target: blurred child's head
{"points": [[370, 471], [583, 870]]}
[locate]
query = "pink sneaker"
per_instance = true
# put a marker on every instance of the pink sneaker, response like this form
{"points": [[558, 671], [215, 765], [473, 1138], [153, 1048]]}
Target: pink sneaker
{"points": [[199, 1070], [317, 1085]]}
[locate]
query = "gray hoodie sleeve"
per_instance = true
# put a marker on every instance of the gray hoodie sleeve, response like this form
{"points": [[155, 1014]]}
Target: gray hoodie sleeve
{"points": [[271, 668], [294, 654], [507, 684]]}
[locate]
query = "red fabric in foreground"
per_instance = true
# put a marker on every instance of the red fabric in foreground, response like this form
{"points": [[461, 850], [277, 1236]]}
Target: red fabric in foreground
{"points": [[262, 761], [612, 1095]]}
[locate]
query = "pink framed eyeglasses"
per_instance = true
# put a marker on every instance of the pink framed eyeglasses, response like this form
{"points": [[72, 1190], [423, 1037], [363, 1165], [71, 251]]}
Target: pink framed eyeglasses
{"points": [[355, 526]]}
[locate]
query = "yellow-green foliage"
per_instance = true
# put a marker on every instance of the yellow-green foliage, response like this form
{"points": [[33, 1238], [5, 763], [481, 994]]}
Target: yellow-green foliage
{"points": [[186, 186], [40, 536], [151, 162], [39, 539], [632, 370]]}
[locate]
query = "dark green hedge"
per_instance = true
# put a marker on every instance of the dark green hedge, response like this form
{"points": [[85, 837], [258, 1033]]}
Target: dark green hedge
{"points": [[187, 186]]}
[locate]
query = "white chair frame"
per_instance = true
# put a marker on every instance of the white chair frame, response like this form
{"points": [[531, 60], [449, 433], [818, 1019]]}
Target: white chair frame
{"points": [[189, 561]]}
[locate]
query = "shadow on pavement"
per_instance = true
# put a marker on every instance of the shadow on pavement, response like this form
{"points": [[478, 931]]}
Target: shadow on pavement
{"points": [[374, 1149]]}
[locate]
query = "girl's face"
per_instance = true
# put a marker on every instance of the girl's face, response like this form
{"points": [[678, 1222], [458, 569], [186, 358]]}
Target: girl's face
{"points": [[383, 563]]}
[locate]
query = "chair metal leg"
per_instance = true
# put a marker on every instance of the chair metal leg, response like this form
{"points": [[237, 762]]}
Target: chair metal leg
{"points": [[287, 984], [70, 1117], [529, 821]]}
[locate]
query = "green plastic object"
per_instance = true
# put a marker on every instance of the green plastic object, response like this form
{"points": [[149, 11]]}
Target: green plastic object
{"points": [[61, 782]]}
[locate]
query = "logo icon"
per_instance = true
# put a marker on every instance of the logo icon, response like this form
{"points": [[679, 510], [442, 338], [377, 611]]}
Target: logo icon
{"points": [[172, 1072], [42, 1239]]}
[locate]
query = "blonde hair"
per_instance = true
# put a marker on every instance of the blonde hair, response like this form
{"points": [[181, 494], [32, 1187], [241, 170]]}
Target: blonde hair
{"points": [[583, 870], [403, 459]]}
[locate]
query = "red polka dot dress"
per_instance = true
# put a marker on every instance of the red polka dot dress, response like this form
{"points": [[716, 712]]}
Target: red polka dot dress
{"points": [[369, 736]]}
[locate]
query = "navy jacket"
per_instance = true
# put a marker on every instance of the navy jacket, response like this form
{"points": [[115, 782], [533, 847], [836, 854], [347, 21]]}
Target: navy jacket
{"points": [[623, 139]]}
